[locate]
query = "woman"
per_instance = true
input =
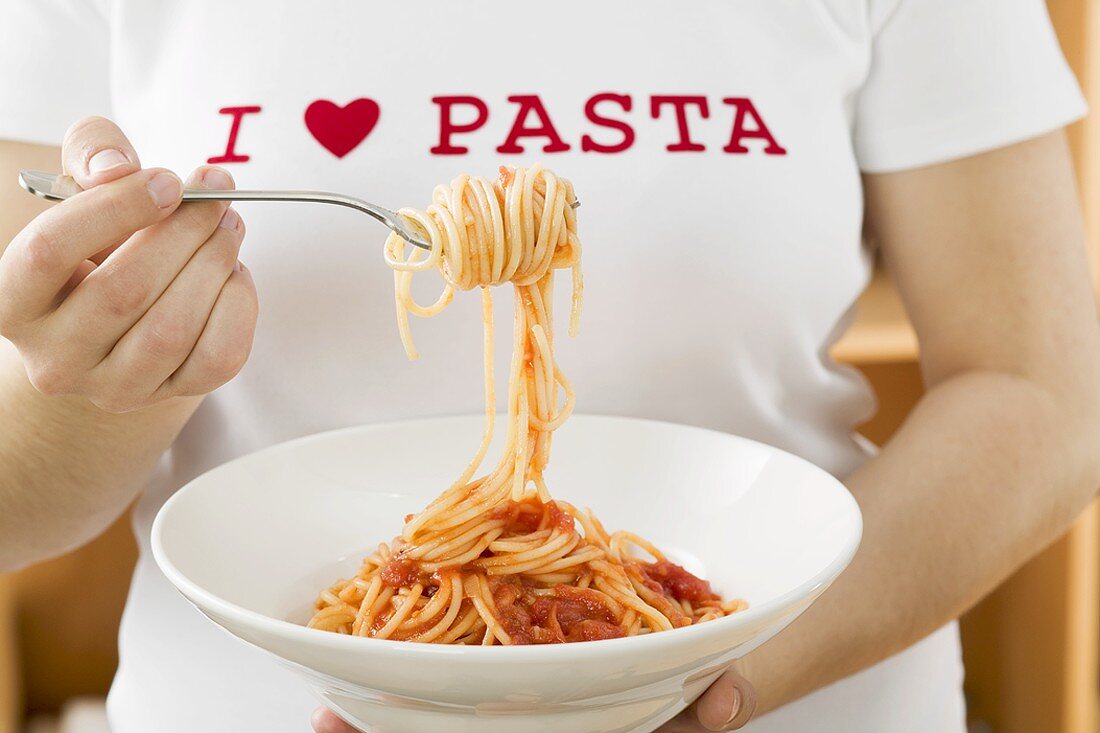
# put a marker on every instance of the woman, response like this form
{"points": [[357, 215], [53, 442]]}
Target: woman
{"points": [[726, 153]]}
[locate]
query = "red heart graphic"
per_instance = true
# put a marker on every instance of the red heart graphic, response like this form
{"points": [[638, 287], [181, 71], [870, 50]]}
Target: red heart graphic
{"points": [[341, 129]]}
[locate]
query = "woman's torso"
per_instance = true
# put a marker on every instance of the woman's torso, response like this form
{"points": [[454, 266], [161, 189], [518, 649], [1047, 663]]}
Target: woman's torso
{"points": [[716, 277]]}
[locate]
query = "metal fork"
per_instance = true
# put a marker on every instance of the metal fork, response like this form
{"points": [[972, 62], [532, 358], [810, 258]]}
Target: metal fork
{"points": [[54, 187]]}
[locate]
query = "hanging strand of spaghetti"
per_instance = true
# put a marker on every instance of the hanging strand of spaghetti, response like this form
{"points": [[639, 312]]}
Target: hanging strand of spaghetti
{"points": [[494, 559]]}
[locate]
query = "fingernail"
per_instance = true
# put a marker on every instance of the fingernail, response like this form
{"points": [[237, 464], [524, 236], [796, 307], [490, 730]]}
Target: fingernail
{"points": [[735, 707], [165, 189], [106, 159], [240, 266], [230, 219], [217, 179]]}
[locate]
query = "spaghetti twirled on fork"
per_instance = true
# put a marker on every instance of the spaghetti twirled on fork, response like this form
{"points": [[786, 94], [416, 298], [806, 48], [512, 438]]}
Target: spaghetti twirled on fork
{"points": [[495, 559]]}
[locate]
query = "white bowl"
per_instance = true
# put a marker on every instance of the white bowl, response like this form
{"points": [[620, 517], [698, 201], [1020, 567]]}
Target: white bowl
{"points": [[251, 543]]}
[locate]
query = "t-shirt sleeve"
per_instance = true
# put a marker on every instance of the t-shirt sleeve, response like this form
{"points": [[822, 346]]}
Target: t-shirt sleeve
{"points": [[54, 57], [952, 78]]}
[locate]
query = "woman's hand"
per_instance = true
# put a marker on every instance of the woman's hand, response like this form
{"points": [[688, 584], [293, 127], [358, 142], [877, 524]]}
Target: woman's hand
{"points": [[325, 721], [727, 705], [119, 294], [121, 299]]}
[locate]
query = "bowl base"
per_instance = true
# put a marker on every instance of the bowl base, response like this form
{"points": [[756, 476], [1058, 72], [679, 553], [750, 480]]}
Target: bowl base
{"points": [[375, 717]]}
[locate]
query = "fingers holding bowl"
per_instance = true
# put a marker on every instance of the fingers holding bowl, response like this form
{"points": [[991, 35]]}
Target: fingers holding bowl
{"points": [[728, 704], [326, 721]]}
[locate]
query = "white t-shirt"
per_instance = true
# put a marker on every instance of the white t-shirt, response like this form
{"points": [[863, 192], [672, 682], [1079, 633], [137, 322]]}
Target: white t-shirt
{"points": [[732, 132]]}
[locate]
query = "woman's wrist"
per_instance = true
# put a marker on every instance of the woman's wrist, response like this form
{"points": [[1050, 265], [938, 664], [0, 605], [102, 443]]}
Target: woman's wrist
{"points": [[77, 413], [88, 462]]}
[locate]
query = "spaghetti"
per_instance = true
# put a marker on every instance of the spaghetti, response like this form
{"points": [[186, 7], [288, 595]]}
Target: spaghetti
{"points": [[495, 559]]}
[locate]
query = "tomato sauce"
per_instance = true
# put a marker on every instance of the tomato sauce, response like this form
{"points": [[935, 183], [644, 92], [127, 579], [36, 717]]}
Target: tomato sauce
{"points": [[566, 614], [561, 520], [678, 583], [400, 573], [527, 516]]}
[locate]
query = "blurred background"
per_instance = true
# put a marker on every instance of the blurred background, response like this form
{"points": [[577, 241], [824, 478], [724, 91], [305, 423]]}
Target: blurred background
{"points": [[1031, 648]]}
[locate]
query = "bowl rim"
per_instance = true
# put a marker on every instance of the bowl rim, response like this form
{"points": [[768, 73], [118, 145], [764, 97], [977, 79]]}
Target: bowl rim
{"points": [[533, 653]]}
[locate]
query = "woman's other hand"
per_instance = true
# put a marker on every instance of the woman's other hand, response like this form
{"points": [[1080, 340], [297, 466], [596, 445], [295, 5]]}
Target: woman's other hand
{"points": [[119, 294], [728, 705], [326, 721]]}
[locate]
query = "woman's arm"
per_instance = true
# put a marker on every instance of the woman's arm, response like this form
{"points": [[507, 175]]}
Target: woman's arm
{"points": [[1001, 454], [117, 322]]}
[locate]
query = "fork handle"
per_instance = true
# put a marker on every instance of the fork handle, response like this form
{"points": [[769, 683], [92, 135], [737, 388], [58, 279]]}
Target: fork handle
{"points": [[54, 187]]}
